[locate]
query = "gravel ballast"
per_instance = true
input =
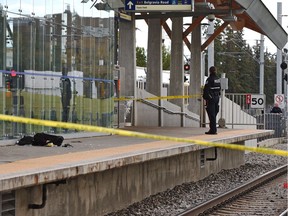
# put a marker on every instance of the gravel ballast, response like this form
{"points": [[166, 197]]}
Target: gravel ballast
{"points": [[173, 201]]}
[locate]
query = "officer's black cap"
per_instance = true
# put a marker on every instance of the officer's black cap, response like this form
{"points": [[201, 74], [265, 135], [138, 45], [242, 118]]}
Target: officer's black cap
{"points": [[212, 70]]}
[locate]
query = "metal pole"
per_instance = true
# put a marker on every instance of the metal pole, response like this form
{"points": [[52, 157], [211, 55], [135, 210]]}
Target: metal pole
{"points": [[285, 104], [211, 45], [221, 121], [279, 54], [223, 75], [261, 77], [233, 111]]}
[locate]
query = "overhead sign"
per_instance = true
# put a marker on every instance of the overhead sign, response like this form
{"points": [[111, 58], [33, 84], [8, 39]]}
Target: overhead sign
{"points": [[125, 16], [279, 99], [257, 101], [159, 5]]}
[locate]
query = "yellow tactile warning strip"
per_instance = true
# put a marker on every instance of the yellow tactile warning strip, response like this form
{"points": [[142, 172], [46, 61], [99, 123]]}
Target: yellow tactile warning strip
{"points": [[139, 135]]}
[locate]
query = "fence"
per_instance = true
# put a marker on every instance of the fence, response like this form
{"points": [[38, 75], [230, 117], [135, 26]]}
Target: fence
{"points": [[51, 96], [274, 121], [239, 111]]}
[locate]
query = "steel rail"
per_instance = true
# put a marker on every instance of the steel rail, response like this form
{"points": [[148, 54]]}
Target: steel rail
{"points": [[215, 203]]}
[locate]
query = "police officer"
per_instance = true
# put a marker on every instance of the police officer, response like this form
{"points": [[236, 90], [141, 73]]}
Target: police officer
{"points": [[211, 95], [276, 109], [66, 94]]}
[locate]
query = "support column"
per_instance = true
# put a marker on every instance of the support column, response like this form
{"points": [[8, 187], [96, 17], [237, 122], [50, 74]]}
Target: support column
{"points": [[154, 62], [127, 61], [154, 57], [195, 72], [176, 66], [3, 41], [176, 86], [127, 55]]}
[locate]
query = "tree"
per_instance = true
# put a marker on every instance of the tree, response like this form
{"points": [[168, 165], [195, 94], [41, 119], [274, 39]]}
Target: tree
{"points": [[241, 63], [166, 54], [141, 58], [236, 59], [269, 77]]}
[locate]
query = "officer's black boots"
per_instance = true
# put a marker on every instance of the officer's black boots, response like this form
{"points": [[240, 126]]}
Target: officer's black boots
{"points": [[211, 133]]}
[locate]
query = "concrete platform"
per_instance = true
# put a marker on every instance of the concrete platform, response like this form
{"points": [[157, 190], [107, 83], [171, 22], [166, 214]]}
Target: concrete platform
{"points": [[87, 141], [112, 169]]}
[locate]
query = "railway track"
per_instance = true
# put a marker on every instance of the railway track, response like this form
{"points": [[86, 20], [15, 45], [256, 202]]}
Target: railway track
{"points": [[265, 195]]}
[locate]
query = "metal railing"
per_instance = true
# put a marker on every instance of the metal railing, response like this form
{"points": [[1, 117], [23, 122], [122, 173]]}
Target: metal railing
{"points": [[274, 121], [237, 113]]}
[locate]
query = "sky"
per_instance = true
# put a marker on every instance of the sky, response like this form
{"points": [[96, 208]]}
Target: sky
{"points": [[40, 7], [251, 36]]}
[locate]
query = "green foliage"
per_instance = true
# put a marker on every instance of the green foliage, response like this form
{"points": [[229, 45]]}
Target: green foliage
{"points": [[240, 62], [166, 55], [141, 59]]}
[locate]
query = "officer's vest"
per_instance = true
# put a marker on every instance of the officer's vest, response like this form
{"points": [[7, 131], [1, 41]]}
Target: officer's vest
{"points": [[215, 88]]}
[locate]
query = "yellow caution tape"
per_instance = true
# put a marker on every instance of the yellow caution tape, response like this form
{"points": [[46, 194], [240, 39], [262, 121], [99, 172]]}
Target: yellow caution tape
{"points": [[158, 98], [120, 132]]}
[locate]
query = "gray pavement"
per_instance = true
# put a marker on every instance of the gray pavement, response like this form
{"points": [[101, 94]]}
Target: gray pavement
{"points": [[85, 141], [88, 141]]}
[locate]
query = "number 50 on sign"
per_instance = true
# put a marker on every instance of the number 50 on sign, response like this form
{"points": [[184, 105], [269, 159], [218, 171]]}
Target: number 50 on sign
{"points": [[257, 101]]}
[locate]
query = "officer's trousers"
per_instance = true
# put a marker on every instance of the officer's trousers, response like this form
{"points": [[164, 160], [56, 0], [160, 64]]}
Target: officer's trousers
{"points": [[212, 108]]}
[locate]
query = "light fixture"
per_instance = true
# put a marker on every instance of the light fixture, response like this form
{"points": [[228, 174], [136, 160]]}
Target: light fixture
{"points": [[204, 5], [230, 17], [211, 17]]}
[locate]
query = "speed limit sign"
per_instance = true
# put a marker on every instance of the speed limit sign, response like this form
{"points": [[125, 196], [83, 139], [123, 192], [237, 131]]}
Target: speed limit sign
{"points": [[257, 101]]}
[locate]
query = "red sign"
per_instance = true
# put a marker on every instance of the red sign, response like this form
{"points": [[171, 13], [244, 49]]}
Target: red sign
{"points": [[13, 73], [279, 99], [248, 98]]}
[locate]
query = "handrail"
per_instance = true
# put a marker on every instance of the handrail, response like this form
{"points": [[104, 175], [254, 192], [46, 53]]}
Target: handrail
{"points": [[167, 110]]}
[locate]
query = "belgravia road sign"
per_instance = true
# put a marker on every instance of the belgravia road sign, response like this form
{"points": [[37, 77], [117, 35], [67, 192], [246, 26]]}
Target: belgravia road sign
{"points": [[159, 5]]}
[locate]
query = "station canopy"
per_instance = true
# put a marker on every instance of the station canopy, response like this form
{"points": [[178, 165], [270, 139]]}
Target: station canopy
{"points": [[254, 15], [251, 14]]}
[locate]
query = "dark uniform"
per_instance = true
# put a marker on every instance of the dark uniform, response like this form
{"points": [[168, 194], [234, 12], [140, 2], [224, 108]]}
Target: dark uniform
{"points": [[211, 94], [276, 109], [66, 95]]}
